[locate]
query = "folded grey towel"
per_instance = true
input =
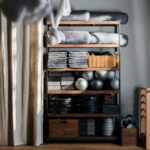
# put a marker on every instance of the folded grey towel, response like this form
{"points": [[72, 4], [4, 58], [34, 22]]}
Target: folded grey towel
{"points": [[97, 16], [53, 83], [53, 88], [77, 16], [109, 16], [67, 87], [67, 82], [67, 78], [54, 78], [67, 74], [56, 74]]}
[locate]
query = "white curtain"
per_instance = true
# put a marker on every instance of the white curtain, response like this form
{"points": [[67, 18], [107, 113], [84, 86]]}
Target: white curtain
{"points": [[21, 80], [21, 72]]}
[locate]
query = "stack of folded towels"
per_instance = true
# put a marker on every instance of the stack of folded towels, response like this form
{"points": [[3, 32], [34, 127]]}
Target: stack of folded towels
{"points": [[57, 60], [54, 80], [78, 59], [67, 81], [60, 81]]}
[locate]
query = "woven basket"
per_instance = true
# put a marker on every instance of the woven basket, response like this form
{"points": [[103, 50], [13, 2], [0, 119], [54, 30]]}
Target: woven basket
{"points": [[103, 61]]}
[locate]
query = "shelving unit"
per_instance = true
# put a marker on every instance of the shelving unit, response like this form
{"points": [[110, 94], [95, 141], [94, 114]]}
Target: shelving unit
{"points": [[86, 23], [112, 138], [77, 115], [86, 69], [116, 25], [83, 46], [111, 92]]}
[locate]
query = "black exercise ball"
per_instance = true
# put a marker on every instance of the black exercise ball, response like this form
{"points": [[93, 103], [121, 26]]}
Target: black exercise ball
{"points": [[96, 84], [101, 75], [111, 74], [88, 75], [114, 84]]}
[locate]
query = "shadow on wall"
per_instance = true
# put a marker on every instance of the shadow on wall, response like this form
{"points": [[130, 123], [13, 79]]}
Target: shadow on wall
{"points": [[140, 39]]}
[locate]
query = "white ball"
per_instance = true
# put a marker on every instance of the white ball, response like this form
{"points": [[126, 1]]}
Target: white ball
{"points": [[81, 84]]}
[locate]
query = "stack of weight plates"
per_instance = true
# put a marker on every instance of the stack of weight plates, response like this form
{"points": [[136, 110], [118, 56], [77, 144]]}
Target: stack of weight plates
{"points": [[60, 105], [107, 126], [89, 104]]}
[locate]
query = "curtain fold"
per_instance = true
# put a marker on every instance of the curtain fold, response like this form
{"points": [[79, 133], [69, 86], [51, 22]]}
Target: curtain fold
{"points": [[21, 73], [21, 80]]}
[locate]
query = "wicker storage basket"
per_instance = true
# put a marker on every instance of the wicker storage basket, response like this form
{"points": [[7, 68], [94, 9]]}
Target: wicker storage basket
{"points": [[110, 61]]}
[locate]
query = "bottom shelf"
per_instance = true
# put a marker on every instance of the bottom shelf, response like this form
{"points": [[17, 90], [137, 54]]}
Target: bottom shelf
{"points": [[112, 138], [77, 115]]}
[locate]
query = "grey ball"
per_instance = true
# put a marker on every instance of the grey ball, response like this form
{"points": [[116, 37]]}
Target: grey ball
{"points": [[111, 74], [101, 75], [88, 75], [81, 84], [114, 84], [97, 84]]}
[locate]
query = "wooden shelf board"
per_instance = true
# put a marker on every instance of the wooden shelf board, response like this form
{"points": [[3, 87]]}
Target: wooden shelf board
{"points": [[85, 69], [87, 23], [94, 138], [83, 46], [79, 115], [85, 92]]}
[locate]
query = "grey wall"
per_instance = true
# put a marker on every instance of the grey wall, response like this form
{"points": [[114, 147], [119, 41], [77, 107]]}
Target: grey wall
{"points": [[134, 58]]}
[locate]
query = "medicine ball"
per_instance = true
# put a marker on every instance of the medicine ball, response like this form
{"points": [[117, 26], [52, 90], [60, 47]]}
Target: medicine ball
{"points": [[114, 84], [88, 75], [81, 84], [96, 84], [101, 75], [111, 74]]}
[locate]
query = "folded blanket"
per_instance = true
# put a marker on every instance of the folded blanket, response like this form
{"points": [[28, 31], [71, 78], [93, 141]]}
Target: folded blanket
{"points": [[77, 16], [109, 16], [97, 16]]}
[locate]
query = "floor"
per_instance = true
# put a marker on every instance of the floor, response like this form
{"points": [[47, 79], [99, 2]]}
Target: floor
{"points": [[82, 146]]}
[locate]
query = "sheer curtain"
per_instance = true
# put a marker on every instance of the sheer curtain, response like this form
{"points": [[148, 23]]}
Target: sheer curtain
{"points": [[21, 73]]}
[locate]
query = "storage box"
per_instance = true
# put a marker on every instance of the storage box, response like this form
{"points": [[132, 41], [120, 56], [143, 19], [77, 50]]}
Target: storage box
{"points": [[110, 109], [63, 128], [103, 61], [129, 137], [110, 99]]}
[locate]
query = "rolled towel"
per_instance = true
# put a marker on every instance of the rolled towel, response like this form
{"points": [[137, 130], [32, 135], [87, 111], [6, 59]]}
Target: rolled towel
{"points": [[55, 37], [77, 16], [109, 38], [76, 37]]}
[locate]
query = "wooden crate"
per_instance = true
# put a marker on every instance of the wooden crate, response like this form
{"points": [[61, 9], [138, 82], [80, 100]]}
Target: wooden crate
{"points": [[110, 99], [63, 128], [129, 137], [103, 61]]}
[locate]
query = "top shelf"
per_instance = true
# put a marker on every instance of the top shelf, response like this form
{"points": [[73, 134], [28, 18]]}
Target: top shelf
{"points": [[86, 23]]}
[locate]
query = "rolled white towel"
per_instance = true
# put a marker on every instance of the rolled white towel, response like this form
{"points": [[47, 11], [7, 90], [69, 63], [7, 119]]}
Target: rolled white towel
{"points": [[55, 37]]}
